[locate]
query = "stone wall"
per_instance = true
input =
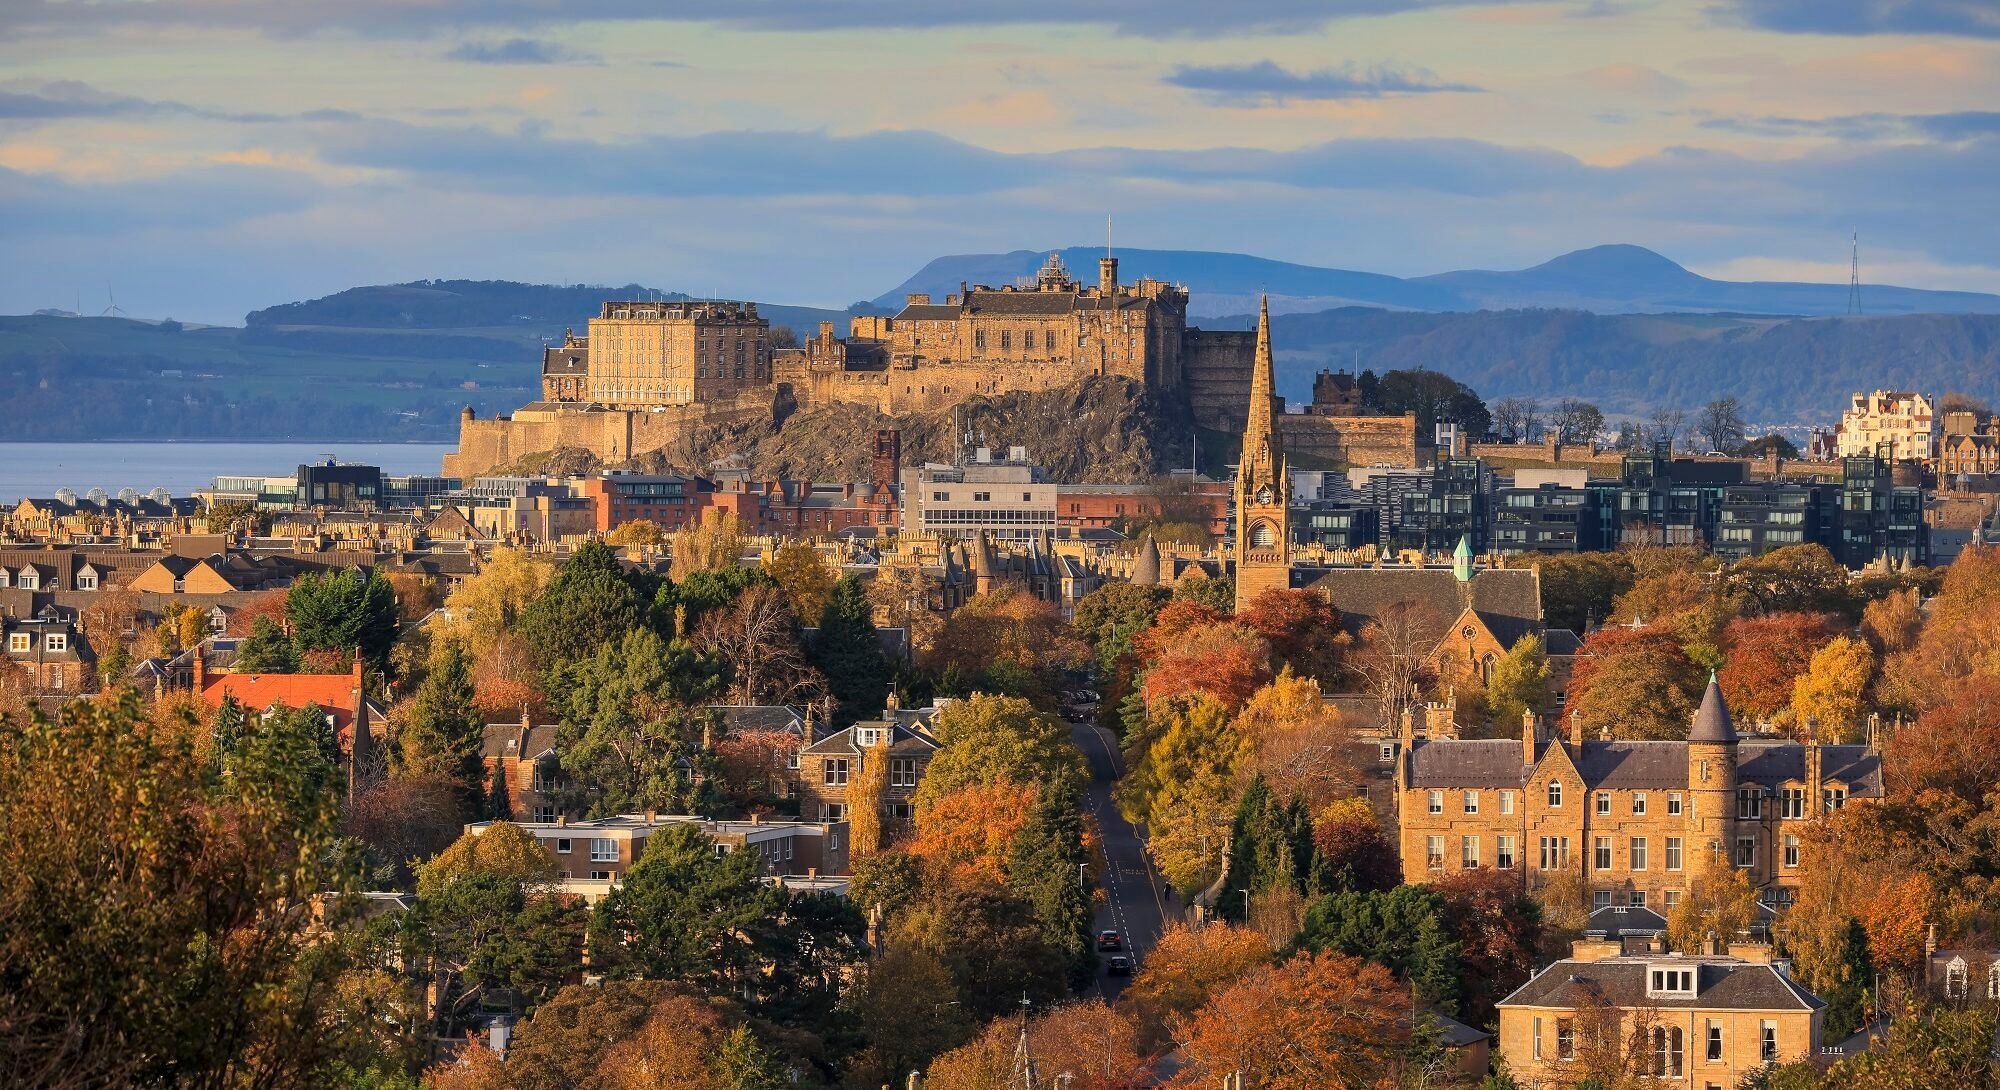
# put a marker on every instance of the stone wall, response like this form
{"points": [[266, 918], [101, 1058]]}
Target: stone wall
{"points": [[933, 387], [1217, 364], [609, 434], [1329, 441]]}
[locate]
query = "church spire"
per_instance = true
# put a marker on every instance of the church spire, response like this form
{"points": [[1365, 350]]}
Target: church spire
{"points": [[1263, 384]]}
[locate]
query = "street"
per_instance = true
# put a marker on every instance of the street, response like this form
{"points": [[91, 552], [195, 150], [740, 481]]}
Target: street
{"points": [[1137, 903]]}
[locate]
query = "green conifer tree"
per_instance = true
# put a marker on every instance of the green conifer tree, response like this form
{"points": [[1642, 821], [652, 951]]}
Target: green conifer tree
{"points": [[847, 651], [442, 732]]}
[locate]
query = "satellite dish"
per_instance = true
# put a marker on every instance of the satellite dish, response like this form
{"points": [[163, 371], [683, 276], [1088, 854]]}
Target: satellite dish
{"points": [[67, 495], [128, 495], [160, 496], [96, 496]]}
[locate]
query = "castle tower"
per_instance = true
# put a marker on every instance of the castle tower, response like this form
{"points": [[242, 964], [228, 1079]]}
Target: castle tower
{"points": [[1711, 754], [1263, 487]]}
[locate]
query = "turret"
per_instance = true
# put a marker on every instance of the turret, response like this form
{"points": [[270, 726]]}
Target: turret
{"points": [[1711, 754], [1461, 559]]}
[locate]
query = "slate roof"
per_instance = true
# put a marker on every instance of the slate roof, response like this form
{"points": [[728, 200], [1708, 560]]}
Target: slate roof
{"points": [[566, 360], [1561, 641], [905, 739], [1720, 984], [1467, 762], [504, 740], [1023, 302], [748, 718], [1632, 765], [1711, 721], [1619, 920], [926, 312], [1774, 762], [1508, 600]]}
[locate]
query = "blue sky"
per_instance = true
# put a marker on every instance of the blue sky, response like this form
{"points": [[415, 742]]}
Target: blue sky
{"points": [[202, 158]]}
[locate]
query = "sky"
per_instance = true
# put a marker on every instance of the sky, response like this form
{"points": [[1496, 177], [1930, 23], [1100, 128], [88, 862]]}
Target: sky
{"points": [[202, 158]]}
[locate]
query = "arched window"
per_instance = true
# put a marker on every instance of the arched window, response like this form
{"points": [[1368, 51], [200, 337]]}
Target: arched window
{"points": [[1954, 979], [1262, 536], [1667, 1044]]}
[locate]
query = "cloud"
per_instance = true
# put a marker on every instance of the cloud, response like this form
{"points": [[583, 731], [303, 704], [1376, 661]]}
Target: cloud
{"points": [[1962, 18], [1265, 83], [63, 100], [520, 51], [1144, 18], [1945, 127], [40, 206]]}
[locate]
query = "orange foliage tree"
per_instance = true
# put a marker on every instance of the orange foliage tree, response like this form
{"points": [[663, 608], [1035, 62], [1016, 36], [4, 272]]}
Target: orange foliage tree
{"points": [[1007, 638], [1186, 966], [1094, 1044], [1225, 661], [1764, 656], [1302, 628], [972, 829], [1172, 624], [1292, 738], [1638, 681], [1953, 747], [1316, 1022]]}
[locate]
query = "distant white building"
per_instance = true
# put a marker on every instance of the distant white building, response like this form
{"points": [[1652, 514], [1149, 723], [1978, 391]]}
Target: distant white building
{"points": [[1899, 424], [1008, 498]]}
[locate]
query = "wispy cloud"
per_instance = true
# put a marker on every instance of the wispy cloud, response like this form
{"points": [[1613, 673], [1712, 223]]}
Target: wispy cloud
{"points": [[69, 100], [1145, 18], [1967, 18], [520, 51], [1266, 83], [1947, 127]]}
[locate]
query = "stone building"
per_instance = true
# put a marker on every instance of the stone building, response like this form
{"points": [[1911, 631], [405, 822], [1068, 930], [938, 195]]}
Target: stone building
{"points": [[524, 757], [674, 353], [51, 653], [603, 850], [830, 764], [1707, 1021], [1636, 819], [1970, 445], [1900, 425]]}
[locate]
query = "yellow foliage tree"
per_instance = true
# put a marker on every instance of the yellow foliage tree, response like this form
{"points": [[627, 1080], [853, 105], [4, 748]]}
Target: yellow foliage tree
{"points": [[864, 802], [1719, 901], [805, 578], [644, 533], [485, 605], [714, 543], [1185, 967], [1832, 691], [505, 849], [1289, 735]]}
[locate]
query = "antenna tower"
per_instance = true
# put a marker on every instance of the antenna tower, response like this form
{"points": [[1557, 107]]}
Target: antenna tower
{"points": [[1854, 274]]}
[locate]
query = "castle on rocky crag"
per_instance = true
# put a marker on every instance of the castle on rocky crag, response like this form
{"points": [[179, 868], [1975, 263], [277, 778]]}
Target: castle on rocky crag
{"points": [[646, 372]]}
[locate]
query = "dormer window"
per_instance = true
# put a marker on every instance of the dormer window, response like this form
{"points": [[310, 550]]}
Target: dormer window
{"points": [[30, 579], [56, 641], [868, 736], [1670, 981], [20, 642], [86, 578]]}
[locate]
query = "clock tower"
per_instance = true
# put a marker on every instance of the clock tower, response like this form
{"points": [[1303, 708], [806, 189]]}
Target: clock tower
{"points": [[1263, 488]]}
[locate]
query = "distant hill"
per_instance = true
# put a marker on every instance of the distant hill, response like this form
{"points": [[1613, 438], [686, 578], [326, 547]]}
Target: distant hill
{"points": [[1783, 370], [1616, 279]]}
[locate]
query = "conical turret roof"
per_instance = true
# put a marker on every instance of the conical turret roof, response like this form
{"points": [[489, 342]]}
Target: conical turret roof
{"points": [[1711, 722], [1146, 567]]}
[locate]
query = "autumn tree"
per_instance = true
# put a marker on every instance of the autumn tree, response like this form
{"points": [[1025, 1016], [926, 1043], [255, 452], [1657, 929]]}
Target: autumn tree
{"points": [[1226, 662], [1095, 1044], [1764, 657], [638, 533], [139, 898], [909, 1011], [404, 819], [902, 592], [1112, 617], [759, 637], [1891, 623], [1794, 579], [1578, 588], [1185, 968], [486, 605], [1182, 787], [1637, 681], [1296, 742], [1354, 852], [1001, 740], [1519, 683], [1217, 593], [1832, 692], [1302, 629], [1315, 1022], [1393, 658], [1007, 641], [1720, 901], [1498, 929], [864, 801], [715, 542], [804, 577]]}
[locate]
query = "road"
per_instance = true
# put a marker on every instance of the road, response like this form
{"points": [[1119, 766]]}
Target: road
{"points": [[1137, 902]]}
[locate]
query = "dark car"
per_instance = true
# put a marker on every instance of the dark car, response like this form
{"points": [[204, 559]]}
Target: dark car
{"points": [[1118, 965], [1110, 940]]}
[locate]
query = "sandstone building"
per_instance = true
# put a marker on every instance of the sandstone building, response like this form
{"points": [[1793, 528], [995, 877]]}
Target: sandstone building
{"points": [[1636, 819], [1263, 485], [1900, 425]]}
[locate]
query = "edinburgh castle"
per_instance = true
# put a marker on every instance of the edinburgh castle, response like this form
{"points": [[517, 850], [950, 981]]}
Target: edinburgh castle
{"points": [[646, 371]]}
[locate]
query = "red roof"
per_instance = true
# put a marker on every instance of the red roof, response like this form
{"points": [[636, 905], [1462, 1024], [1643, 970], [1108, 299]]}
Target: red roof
{"points": [[334, 693]]}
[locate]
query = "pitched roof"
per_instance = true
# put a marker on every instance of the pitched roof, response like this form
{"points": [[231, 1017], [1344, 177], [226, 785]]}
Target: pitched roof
{"points": [[333, 692], [1467, 762], [1720, 984], [1616, 920], [504, 740], [747, 718], [1508, 600]]}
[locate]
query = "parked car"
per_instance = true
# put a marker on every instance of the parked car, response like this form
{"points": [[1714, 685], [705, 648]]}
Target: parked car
{"points": [[1110, 940], [1118, 965]]}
